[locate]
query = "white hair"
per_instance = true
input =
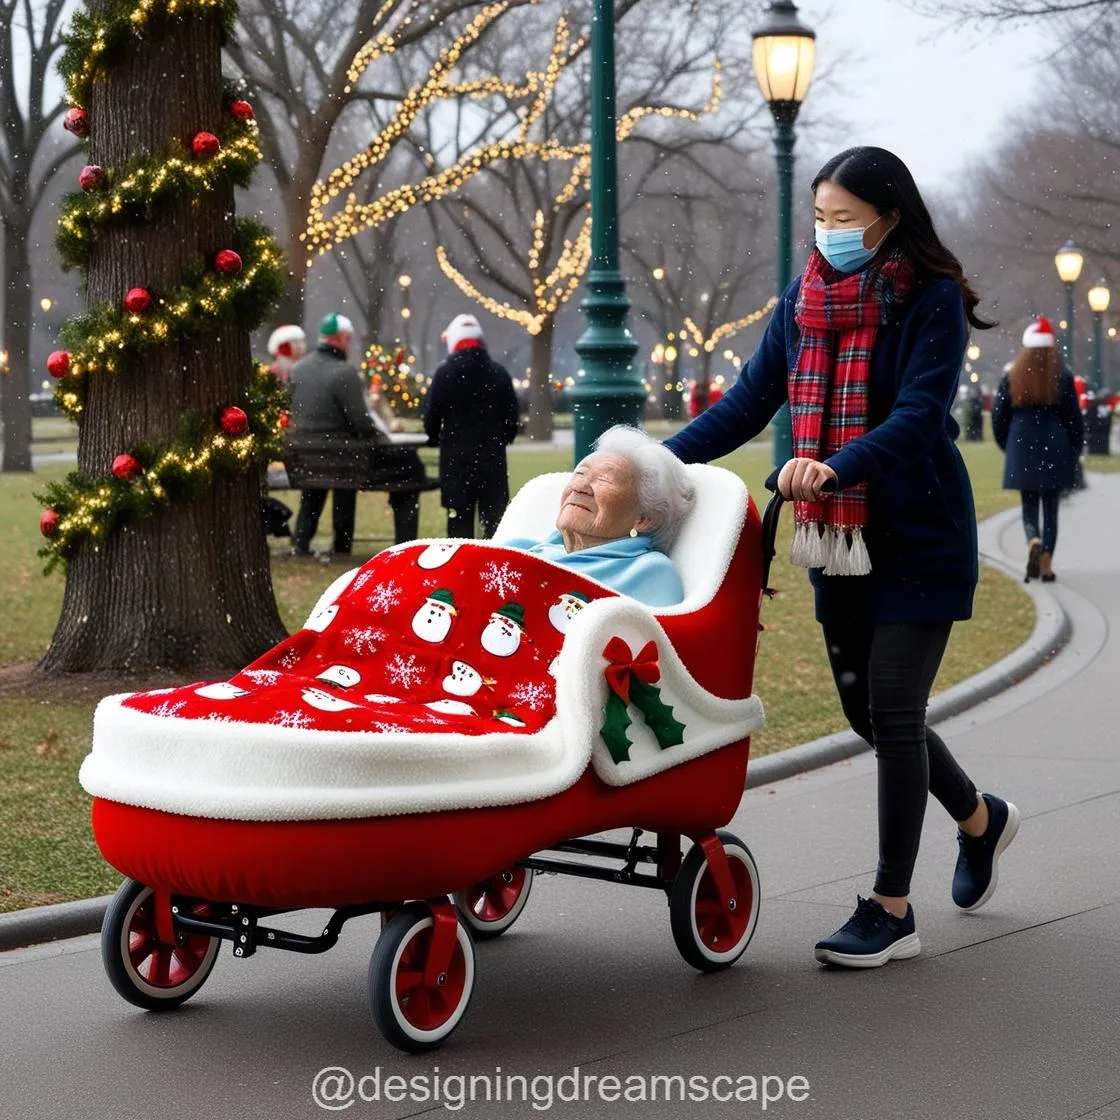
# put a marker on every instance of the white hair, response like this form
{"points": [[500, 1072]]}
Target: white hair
{"points": [[665, 494]]}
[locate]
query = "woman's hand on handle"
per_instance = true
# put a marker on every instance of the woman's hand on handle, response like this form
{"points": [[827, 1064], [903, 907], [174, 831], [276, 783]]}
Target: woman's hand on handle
{"points": [[805, 480]]}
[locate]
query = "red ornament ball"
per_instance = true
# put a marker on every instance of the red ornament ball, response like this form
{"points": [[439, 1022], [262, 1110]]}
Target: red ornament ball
{"points": [[90, 176], [285, 419], [205, 144], [137, 301], [227, 262], [242, 110], [76, 121], [125, 467], [48, 523], [58, 363], [233, 420]]}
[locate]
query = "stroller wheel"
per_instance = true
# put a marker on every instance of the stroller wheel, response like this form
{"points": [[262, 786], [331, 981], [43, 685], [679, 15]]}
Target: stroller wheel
{"points": [[489, 908], [145, 970], [411, 1013], [708, 936]]}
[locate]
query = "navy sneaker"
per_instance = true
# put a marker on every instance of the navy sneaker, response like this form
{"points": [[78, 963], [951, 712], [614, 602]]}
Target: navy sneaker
{"points": [[978, 862], [870, 937]]}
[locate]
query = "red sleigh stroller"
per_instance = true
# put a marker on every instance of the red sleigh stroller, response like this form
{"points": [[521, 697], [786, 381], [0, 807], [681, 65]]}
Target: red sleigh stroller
{"points": [[450, 717]]}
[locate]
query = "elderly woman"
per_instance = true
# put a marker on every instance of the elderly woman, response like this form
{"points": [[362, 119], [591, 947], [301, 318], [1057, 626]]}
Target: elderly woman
{"points": [[619, 516]]}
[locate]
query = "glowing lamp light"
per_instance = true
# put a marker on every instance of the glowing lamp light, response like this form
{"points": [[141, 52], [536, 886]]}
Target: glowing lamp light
{"points": [[1099, 298], [973, 352], [784, 54], [659, 274], [1068, 261]]}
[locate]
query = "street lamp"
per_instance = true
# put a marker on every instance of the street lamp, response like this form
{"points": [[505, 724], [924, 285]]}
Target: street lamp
{"points": [[608, 388], [1099, 299], [1068, 261], [973, 352], [784, 53]]}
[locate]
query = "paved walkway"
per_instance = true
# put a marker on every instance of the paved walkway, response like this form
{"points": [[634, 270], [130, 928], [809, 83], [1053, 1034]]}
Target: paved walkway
{"points": [[1009, 1014]]}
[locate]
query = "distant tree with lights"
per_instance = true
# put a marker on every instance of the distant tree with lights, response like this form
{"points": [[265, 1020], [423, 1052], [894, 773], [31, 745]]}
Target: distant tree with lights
{"points": [[520, 230], [324, 70], [159, 527]]}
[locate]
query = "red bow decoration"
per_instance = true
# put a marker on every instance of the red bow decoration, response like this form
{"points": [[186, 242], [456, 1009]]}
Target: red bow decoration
{"points": [[623, 663]]}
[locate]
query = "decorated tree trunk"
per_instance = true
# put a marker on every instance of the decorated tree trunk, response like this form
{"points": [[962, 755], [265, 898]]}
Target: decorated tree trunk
{"points": [[540, 381], [160, 525]]}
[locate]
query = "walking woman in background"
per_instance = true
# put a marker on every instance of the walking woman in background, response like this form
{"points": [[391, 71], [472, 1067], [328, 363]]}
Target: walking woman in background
{"points": [[1037, 421], [867, 347]]}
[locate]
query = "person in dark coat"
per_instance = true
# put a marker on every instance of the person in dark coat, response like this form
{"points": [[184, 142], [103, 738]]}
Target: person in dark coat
{"points": [[328, 399], [471, 415], [1036, 420], [867, 347]]}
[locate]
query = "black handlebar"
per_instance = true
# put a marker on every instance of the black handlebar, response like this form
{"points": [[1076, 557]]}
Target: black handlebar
{"points": [[770, 525]]}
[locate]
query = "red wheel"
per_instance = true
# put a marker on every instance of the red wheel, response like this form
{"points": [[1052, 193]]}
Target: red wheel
{"points": [[413, 1015], [708, 936], [145, 970], [489, 908]]}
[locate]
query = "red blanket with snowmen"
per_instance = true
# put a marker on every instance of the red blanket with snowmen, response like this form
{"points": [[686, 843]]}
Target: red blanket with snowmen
{"points": [[452, 636]]}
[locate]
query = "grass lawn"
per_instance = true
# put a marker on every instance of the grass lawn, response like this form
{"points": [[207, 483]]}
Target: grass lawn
{"points": [[47, 853]]}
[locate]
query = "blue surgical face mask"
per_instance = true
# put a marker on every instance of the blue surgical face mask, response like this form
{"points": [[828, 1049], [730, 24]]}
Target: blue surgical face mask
{"points": [[844, 248]]}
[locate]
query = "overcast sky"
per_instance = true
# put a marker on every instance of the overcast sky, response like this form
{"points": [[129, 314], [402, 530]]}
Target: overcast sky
{"points": [[934, 99]]}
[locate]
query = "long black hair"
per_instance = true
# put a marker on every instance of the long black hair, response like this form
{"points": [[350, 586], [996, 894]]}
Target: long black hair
{"points": [[880, 178]]}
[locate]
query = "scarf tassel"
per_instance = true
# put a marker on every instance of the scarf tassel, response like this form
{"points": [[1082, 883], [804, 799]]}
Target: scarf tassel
{"points": [[839, 551]]}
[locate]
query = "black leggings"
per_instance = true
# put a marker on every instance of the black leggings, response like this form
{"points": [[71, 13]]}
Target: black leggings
{"points": [[460, 519], [884, 675]]}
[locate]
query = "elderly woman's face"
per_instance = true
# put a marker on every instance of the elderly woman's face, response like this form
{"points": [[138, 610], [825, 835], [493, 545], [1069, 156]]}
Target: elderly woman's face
{"points": [[601, 500]]}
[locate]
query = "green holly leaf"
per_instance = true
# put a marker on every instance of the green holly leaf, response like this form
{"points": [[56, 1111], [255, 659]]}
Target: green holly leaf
{"points": [[613, 731], [668, 730]]}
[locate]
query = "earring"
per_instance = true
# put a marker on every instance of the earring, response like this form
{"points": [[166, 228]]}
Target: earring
{"points": [[633, 532]]}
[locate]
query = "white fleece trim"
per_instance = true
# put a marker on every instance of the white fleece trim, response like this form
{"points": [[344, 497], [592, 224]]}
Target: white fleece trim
{"points": [[710, 721], [244, 771]]}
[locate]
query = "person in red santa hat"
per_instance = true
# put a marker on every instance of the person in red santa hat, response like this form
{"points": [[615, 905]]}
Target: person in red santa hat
{"points": [[1036, 420], [286, 345], [471, 415]]}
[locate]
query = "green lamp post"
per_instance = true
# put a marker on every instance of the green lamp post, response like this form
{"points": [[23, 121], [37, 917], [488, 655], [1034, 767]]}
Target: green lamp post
{"points": [[784, 53], [1068, 261], [608, 389], [1099, 299]]}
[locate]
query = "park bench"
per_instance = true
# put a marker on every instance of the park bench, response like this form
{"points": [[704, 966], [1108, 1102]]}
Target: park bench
{"points": [[327, 462]]}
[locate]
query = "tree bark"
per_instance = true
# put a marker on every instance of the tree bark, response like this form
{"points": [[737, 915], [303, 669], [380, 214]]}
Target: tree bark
{"points": [[540, 382], [15, 400], [190, 587]]}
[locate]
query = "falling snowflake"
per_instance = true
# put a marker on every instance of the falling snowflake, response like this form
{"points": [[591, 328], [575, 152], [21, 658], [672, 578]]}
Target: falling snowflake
{"points": [[533, 695], [364, 639], [292, 719], [290, 659], [385, 596], [263, 676], [168, 709], [360, 580], [405, 673], [501, 579]]}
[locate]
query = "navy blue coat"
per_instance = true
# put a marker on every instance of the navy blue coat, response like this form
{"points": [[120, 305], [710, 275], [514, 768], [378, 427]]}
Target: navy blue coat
{"points": [[1042, 443], [921, 531]]}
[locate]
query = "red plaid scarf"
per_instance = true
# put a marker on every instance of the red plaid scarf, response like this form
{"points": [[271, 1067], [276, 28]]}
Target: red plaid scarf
{"points": [[839, 315]]}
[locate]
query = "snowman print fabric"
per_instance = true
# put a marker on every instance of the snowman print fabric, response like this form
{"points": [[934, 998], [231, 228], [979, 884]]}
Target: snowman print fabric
{"points": [[449, 636]]}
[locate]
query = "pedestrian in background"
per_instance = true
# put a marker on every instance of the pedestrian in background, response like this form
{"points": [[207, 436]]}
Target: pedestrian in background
{"points": [[471, 415], [328, 399], [286, 345], [1037, 421], [867, 346]]}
